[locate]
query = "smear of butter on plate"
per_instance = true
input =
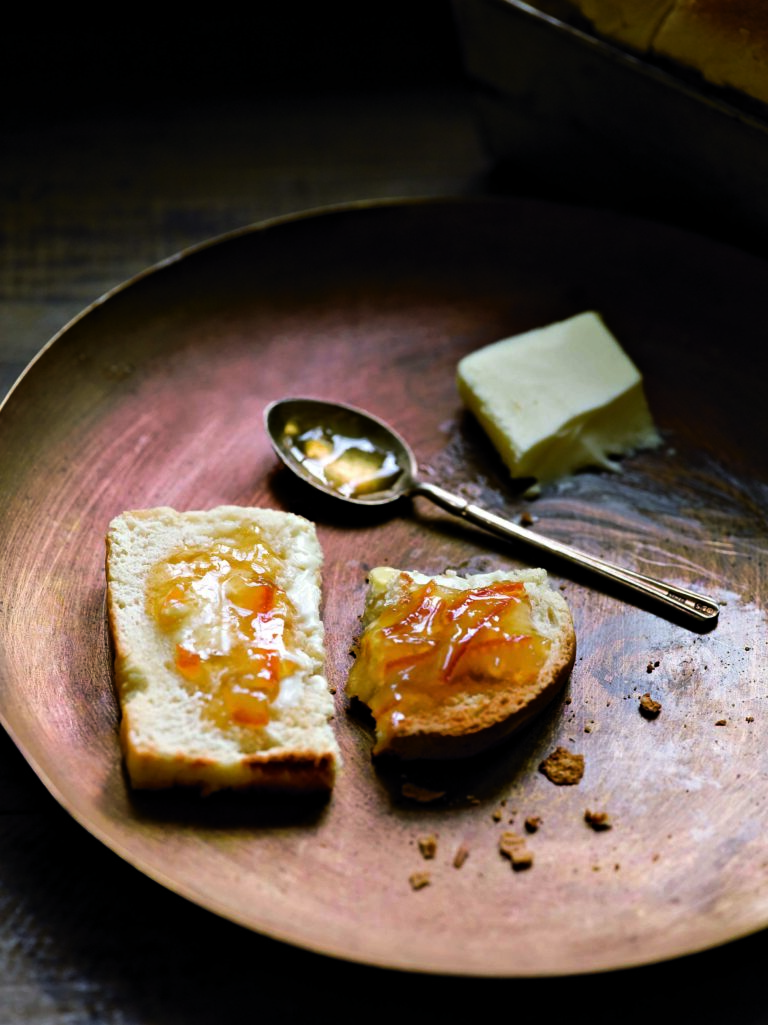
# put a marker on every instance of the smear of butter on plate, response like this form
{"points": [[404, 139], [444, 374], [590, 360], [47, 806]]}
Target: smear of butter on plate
{"points": [[558, 399]]}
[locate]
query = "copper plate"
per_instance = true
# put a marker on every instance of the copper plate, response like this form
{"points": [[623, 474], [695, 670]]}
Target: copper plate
{"points": [[155, 396]]}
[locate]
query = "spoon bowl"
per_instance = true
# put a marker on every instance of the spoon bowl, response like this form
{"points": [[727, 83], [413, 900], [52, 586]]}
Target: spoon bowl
{"points": [[341, 450], [353, 456]]}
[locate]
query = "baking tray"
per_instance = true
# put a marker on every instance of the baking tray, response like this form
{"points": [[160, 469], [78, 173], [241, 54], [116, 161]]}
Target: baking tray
{"points": [[564, 110], [155, 395]]}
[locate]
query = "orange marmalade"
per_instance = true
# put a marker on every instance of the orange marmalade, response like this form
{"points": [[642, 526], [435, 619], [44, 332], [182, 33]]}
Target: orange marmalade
{"points": [[350, 464], [228, 624], [436, 643]]}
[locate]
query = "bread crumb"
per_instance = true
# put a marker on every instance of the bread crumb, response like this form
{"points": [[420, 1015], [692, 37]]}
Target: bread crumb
{"points": [[750, 718], [461, 855], [419, 880], [598, 820], [649, 708], [563, 767], [521, 859], [509, 841], [527, 519], [428, 846], [721, 722], [532, 823], [512, 846], [497, 814], [421, 794]]}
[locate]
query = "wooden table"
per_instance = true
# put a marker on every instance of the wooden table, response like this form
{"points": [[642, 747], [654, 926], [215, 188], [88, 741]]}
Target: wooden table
{"points": [[87, 200]]}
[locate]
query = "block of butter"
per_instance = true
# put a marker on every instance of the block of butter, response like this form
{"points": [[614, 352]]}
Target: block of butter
{"points": [[558, 399]]}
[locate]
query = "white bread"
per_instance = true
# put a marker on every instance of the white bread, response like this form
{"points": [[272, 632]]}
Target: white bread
{"points": [[726, 41], [179, 731], [468, 712]]}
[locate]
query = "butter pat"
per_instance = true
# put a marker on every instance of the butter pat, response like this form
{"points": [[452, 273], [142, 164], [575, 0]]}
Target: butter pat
{"points": [[558, 399]]}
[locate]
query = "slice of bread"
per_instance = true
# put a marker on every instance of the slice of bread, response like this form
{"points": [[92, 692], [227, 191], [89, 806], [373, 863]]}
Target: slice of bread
{"points": [[449, 666], [219, 649]]}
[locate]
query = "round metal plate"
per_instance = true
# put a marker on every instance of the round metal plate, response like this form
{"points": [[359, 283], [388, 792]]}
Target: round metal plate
{"points": [[155, 396]]}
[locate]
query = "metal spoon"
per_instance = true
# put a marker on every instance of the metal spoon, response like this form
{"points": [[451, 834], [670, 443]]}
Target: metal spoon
{"points": [[356, 457]]}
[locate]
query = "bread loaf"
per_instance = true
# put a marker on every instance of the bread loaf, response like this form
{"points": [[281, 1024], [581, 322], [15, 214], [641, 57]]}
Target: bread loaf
{"points": [[632, 22], [726, 41], [451, 665], [219, 649]]}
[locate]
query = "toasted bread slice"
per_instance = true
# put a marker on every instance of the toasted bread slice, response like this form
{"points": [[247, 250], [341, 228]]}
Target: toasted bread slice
{"points": [[219, 649], [451, 665]]}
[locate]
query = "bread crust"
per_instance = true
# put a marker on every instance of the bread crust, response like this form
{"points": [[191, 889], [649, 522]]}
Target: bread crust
{"points": [[165, 738], [726, 41], [459, 728], [632, 22]]}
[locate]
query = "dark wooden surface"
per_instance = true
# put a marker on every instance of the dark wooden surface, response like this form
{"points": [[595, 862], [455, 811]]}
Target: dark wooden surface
{"points": [[90, 193]]}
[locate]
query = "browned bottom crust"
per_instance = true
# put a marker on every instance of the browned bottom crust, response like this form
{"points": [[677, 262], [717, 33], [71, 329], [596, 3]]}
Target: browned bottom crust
{"points": [[441, 737], [287, 773]]}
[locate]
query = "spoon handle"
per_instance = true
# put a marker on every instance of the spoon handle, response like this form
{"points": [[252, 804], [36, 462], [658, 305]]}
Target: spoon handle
{"points": [[696, 606]]}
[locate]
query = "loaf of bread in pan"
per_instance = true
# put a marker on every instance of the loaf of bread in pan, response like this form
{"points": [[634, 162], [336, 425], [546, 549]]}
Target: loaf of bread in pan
{"points": [[725, 40], [632, 22], [219, 649], [450, 665]]}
